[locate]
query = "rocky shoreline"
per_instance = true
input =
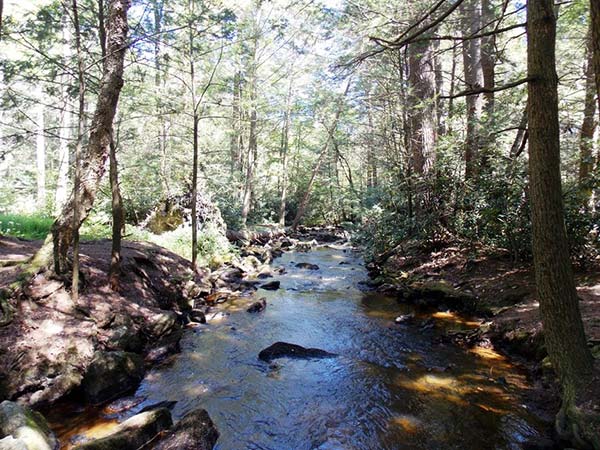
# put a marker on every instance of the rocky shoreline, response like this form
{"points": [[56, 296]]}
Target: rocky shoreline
{"points": [[100, 349]]}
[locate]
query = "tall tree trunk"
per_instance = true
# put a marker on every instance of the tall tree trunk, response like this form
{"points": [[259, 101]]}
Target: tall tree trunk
{"points": [[40, 152], [488, 60], [252, 153], [93, 158], [62, 182], [559, 305], [195, 194], [317, 166], [595, 27], [421, 81], [235, 144], [118, 214], [588, 126], [118, 218], [488, 69], [471, 18], [60, 255], [161, 137], [285, 134], [451, 92]]}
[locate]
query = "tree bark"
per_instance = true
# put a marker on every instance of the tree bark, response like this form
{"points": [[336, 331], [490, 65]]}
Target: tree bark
{"points": [[284, 154], [40, 153], [595, 26], [559, 305], [118, 213], [474, 80], [421, 81], [330, 138], [118, 219], [62, 182], [93, 158], [251, 158], [588, 126]]}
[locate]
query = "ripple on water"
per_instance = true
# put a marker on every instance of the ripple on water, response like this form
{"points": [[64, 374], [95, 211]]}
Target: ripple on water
{"points": [[392, 387]]}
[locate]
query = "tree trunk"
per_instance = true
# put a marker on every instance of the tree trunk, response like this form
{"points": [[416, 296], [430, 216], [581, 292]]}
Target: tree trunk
{"points": [[252, 138], [488, 60], [471, 18], [235, 144], [284, 154], [595, 27], [195, 194], [421, 81], [330, 139], [118, 219], [93, 158], [488, 69], [588, 126], [118, 214], [559, 305], [62, 182], [40, 153]]}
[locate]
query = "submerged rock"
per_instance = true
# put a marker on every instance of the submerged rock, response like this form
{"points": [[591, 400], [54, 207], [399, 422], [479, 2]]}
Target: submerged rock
{"points": [[285, 349], [309, 266], [271, 285], [23, 428], [404, 318], [196, 431], [134, 433], [258, 306], [111, 374]]}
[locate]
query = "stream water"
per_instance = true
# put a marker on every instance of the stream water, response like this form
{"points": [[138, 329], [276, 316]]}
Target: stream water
{"points": [[393, 386]]}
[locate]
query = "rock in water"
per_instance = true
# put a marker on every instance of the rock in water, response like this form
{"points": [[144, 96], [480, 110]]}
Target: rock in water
{"points": [[271, 285], [285, 349], [134, 433], [23, 428], [404, 318], [309, 266], [258, 306], [196, 431], [111, 374]]}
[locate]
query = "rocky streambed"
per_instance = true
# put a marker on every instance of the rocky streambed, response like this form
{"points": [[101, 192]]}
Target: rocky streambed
{"points": [[322, 362]]}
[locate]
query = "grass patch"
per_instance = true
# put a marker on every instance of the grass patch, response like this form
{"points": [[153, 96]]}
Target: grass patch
{"points": [[213, 246], [25, 227]]}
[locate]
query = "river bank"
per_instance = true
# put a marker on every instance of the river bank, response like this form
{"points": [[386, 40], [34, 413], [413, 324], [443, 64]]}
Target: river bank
{"points": [[415, 358], [487, 284], [100, 349]]}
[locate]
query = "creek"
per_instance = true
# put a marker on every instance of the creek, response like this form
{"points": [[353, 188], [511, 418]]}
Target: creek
{"points": [[393, 386]]}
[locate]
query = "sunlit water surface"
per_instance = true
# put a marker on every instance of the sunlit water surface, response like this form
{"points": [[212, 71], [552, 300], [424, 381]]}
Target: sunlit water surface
{"points": [[393, 386]]}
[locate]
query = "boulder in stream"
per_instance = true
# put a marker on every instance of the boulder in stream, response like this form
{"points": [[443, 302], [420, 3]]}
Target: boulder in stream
{"points": [[134, 433], [196, 431], [257, 306], [111, 374], [23, 428], [271, 285], [309, 266], [287, 350]]}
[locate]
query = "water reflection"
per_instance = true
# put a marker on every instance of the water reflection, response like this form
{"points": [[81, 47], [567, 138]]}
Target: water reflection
{"points": [[392, 387]]}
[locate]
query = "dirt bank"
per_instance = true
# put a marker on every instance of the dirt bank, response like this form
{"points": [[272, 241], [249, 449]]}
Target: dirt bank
{"points": [[49, 344]]}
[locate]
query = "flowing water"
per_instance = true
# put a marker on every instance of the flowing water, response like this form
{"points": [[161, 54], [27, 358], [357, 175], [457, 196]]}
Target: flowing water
{"points": [[393, 386]]}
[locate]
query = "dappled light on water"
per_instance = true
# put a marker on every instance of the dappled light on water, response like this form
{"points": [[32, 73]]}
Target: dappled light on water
{"points": [[393, 386]]}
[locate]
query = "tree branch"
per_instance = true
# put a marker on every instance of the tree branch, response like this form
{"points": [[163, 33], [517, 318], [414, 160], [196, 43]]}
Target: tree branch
{"points": [[483, 90]]}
